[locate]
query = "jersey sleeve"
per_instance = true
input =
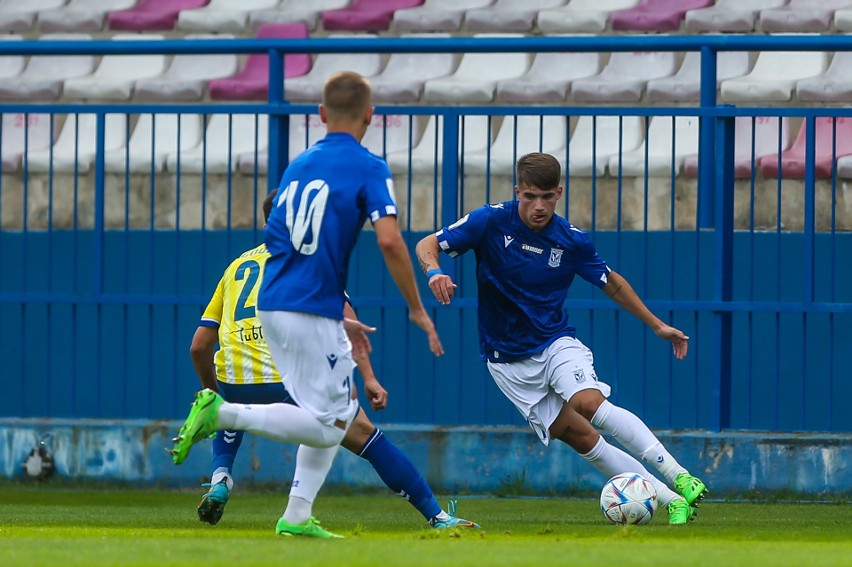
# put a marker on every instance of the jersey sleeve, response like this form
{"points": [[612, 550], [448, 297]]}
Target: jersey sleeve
{"points": [[590, 266], [381, 199], [212, 316], [465, 233]]}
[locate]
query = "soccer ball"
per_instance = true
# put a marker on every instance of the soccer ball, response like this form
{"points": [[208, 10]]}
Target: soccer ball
{"points": [[628, 498]]}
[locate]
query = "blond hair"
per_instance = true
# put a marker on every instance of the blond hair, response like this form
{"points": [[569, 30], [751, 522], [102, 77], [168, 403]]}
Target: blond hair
{"points": [[346, 95]]}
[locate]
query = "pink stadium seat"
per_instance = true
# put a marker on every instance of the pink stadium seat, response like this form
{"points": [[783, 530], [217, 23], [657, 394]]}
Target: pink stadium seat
{"points": [[765, 143], [655, 15], [252, 82], [151, 14], [793, 160], [365, 15]]}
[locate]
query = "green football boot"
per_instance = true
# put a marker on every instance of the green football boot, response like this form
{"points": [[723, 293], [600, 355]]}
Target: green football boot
{"points": [[680, 512], [201, 423], [691, 488], [310, 528]]}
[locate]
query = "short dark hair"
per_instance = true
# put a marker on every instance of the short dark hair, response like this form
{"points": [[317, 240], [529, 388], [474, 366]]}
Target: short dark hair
{"points": [[539, 170], [267, 204], [346, 94]]}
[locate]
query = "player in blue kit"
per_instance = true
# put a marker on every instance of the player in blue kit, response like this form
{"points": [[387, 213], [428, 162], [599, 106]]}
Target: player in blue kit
{"points": [[241, 370], [526, 258], [325, 196]]}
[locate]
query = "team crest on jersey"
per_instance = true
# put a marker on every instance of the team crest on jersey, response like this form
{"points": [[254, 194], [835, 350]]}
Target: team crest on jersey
{"points": [[555, 257], [579, 376]]}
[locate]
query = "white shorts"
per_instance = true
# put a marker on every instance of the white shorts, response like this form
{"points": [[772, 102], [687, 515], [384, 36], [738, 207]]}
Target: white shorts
{"points": [[314, 357], [541, 384]]}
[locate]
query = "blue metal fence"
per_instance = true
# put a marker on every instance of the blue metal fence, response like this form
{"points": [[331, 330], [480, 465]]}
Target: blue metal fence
{"points": [[97, 309]]}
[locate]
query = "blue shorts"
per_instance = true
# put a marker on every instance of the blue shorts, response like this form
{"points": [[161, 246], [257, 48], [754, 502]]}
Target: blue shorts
{"points": [[255, 393]]}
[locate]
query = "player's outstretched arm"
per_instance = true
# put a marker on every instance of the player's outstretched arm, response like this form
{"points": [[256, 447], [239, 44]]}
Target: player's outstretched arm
{"points": [[376, 394], [441, 284], [399, 265], [201, 351], [619, 290]]}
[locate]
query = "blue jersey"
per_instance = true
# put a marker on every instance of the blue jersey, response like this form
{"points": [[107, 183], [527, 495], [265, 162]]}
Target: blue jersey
{"points": [[326, 195], [522, 276]]}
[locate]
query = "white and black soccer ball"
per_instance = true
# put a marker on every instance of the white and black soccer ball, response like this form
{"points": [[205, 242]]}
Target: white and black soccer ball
{"points": [[628, 498]]}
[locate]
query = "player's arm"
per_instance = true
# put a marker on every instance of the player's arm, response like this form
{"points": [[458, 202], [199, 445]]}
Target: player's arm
{"points": [[398, 261], [201, 351], [441, 284], [619, 290], [376, 394]]}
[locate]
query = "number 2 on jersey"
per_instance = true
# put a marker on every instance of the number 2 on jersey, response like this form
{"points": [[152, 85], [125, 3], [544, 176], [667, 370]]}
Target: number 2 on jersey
{"points": [[248, 271]]}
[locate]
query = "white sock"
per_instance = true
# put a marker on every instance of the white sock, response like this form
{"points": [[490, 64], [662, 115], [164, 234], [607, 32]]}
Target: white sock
{"points": [[312, 466], [222, 473], [282, 422], [632, 432], [611, 461]]}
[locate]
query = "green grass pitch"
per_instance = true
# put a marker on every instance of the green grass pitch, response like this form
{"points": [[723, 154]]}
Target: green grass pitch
{"points": [[51, 525]]}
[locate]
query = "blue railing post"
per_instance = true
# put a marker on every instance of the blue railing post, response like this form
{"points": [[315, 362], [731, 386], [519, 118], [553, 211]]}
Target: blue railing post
{"points": [[810, 207], [724, 270], [706, 143], [450, 169], [100, 142], [279, 124]]}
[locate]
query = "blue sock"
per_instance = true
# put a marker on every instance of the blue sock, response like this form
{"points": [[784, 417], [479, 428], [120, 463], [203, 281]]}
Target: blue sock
{"points": [[399, 474], [225, 447]]}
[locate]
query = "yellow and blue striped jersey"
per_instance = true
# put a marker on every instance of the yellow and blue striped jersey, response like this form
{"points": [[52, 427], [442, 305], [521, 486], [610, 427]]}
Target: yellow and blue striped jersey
{"points": [[243, 356]]}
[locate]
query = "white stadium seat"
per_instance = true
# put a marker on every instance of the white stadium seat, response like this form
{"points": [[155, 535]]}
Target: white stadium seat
{"points": [[115, 76], [222, 15], [307, 12], [77, 144], [624, 77], [43, 76], [81, 15], [436, 15], [163, 130], [774, 76], [391, 133], [508, 15], [423, 159], [234, 134], [11, 65], [801, 16], [610, 134], [546, 134], [20, 15], [403, 77], [666, 150], [23, 133], [728, 15], [685, 85], [835, 85], [581, 15], [549, 78]]}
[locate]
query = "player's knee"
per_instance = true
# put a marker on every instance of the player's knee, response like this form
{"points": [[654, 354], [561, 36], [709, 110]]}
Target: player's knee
{"points": [[587, 402]]}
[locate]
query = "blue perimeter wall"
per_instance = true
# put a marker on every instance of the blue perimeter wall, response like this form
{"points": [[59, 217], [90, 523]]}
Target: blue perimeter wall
{"points": [[78, 344], [496, 460]]}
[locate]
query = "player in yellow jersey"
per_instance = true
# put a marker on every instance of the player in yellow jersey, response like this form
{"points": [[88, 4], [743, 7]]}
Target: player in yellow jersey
{"points": [[242, 371]]}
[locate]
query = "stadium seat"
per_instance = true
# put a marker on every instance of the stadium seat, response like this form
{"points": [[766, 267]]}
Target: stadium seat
{"points": [[518, 136], [252, 82], [115, 76], [844, 167], [611, 135], [478, 74], [835, 85], [365, 15], [11, 65], [774, 76], [227, 137], [549, 78], [827, 149], [391, 133], [508, 15], [766, 142], [685, 85], [403, 77], [843, 20], [308, 87], [581, 15], [667, 147], [149, 15], [188, 75], [222, 15], [305, 130], [19, 15], [655, 15], [43, 76], [623, 79], [801, 16], [77, 144], [80, 15], [474, 134], [728, 15], [163, 131], [436, 15], [23, 133], [295, 11]]}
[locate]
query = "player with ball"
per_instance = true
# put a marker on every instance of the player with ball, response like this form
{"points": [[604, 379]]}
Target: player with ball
{"points": [[526, 258]]}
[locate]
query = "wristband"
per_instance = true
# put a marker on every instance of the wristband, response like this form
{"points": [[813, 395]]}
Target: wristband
{"points": [[435, 272]]}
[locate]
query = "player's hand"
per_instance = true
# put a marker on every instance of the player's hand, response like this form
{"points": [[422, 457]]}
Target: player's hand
{"points": [[422, 320], [443, 288], [680, 342], [357, 332], [377, 395]]}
